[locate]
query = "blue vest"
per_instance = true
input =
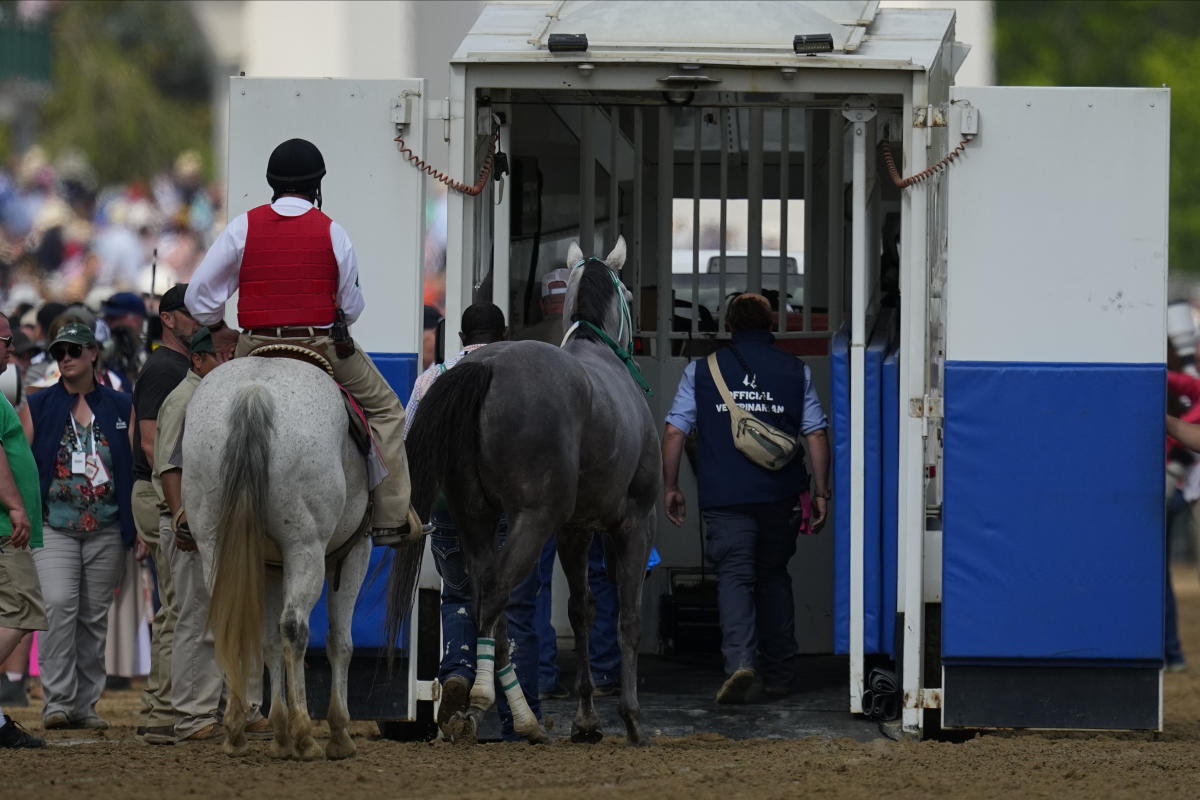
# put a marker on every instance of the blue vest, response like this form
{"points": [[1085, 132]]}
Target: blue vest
{"points": [[49, 409], [726, 477]]}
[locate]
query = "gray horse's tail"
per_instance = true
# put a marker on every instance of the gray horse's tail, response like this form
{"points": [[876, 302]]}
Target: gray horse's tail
{"points": [[446, 427], [235, 612]]}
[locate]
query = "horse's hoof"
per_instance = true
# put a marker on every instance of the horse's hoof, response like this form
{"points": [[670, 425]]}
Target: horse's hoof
{"points": [[461, 728], [310, 750], [232, 749], [282, 750], [639, 739], [586, 735], [535, 736], [337, 750]]}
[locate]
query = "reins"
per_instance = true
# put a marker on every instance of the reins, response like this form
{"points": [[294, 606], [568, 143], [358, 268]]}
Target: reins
{"points": [[625, 355]]}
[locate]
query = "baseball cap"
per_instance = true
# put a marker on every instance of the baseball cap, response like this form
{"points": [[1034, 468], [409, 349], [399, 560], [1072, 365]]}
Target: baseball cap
{"points": [[559, 275], [172, 299], [123, 303], [202, 341], [22, 344], [74, 333]]}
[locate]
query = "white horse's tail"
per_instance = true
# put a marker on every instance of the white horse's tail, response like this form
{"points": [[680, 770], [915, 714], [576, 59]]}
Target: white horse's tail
{"points": [[235, 613]]}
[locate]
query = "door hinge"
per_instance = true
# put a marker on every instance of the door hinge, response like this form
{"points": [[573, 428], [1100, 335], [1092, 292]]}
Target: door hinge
{"points": [[929, 117], [926, 698], [929, 407]]}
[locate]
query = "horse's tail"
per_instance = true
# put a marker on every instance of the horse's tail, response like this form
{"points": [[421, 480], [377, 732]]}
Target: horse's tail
{"points": [[235, 612], [446, 426]]}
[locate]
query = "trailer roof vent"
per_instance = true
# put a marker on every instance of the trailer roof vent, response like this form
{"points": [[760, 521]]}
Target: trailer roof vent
{"points": [[567, 43], [810, 44]]}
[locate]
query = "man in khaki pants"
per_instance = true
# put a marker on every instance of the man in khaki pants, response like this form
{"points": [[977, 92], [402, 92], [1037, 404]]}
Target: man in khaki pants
{"points": [[162, 372], [296, 276], [21, 608]]}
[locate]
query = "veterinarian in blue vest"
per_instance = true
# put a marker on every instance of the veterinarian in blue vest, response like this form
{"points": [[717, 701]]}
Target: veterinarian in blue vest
{"points": [[749, 509]]}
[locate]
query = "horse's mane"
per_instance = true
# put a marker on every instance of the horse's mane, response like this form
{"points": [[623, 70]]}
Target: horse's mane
{"points": [[594, 297]]}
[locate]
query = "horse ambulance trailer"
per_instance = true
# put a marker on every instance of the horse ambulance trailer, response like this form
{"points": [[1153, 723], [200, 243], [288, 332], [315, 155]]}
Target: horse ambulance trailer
{"points": [[980, 294]]}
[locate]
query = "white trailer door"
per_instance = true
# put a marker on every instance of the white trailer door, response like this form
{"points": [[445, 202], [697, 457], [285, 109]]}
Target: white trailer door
{"points": [[1053, 552], [369, 188]]}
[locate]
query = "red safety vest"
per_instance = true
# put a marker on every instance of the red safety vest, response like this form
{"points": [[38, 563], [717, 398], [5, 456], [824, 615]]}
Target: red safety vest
{"points": [[289, 272]]}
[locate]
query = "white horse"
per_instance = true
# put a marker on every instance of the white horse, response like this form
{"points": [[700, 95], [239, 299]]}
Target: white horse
{"points": [[271, 474]]}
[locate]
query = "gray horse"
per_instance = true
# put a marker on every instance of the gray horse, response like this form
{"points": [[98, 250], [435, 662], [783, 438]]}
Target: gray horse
{"points": [[561, 441], [271, 474]]}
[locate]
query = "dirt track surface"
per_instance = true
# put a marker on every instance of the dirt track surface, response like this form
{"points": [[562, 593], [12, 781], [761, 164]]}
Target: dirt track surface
{"points": [[79, 764]]}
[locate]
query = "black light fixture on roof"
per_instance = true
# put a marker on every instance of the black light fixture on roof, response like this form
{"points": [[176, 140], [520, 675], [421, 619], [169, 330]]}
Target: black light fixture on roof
{"points": [[810, 44], [567, 43]]}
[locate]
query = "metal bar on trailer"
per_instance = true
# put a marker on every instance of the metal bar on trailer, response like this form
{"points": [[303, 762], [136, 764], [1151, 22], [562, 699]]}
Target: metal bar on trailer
{"points": [[696, 150], [784, 150], [587, 180], [664, 195], [460, 239], [911, 475], [858, 344], [725, 145], [836, 262], [501, 227], [639, 188], [614, 184], [805, 284], [754, 198]]}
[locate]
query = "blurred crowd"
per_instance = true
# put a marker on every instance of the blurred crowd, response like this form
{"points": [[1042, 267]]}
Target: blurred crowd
{"points": [[65, 238]]}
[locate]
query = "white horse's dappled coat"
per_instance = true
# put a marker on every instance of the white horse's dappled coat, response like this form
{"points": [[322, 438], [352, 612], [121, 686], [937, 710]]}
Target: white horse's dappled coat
{"points": [[270, 472]]}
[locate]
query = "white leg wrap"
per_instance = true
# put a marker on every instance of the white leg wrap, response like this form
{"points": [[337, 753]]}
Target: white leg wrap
{"points": [[524, 722], [483, 693]]}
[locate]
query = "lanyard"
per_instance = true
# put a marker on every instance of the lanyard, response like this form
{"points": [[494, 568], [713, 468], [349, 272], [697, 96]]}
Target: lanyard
{"points": [[75, 434]]}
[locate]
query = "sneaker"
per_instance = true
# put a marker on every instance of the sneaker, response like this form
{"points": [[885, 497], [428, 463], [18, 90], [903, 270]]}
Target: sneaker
{"points": [[259, 729], [606, 689], [157, 734], [737, 687], [12, 693], [208, 733], [557, 692], [56, 720], [92, 723], [456, 694], [12, 735]]}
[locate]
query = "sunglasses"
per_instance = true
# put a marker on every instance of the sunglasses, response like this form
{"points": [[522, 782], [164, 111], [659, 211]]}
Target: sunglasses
{"points": [[6, 340], [60, 351]]}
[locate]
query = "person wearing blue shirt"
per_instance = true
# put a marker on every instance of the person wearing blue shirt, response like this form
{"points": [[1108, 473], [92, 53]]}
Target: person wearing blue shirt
{"points": [[748, 509]]}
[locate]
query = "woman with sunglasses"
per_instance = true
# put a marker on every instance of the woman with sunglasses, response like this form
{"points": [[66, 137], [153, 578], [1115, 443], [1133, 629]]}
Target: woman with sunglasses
{"points": [[79, 431]]}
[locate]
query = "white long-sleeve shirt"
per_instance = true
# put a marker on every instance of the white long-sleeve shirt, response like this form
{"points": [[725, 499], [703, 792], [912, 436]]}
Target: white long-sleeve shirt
{"points": [[216, 279]]}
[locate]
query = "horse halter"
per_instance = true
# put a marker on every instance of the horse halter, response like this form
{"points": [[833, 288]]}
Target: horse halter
{"points": [[626, 319]]}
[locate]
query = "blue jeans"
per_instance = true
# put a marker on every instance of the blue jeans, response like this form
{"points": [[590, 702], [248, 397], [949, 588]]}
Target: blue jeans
{"points": [[750, 546], [604, 650], [458, 627]]}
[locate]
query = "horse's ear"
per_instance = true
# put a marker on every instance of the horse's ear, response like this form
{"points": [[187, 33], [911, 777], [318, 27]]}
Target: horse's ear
{"points": [[574, 255], [616, 259]]}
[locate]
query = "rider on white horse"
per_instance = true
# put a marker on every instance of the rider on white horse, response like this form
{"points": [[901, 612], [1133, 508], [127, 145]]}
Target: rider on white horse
{"points": [[297, 276]]}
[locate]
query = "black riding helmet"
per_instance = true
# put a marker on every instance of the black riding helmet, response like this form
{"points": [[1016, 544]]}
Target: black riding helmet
{"points": [[296, 167]]}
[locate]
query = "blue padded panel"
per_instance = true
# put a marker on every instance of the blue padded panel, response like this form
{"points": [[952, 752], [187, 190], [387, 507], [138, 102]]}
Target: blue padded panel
{"points": [[839, 362], [891, 493], [400, 371], [873, 490], [1054, 540]]}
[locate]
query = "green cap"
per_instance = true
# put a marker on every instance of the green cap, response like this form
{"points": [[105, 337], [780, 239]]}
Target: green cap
{"points": [[74, 333], [202, 341]]}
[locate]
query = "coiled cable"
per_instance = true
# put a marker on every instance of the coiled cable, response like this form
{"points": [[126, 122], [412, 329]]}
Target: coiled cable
{"points": [[925, 174]]}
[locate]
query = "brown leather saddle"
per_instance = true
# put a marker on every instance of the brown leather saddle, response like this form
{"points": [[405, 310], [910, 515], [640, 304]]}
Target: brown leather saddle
{"points": [[357, 420]]}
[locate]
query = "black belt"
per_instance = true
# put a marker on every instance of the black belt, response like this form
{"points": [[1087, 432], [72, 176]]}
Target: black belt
{"points": [[299, 332]]}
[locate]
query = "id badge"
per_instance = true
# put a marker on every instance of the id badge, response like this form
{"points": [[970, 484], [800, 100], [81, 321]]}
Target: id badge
{"points": [[97, 475], [78, 462]]}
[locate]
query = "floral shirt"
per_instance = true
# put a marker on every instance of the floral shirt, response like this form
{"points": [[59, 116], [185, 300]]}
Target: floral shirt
{"points": [[73, 504]]}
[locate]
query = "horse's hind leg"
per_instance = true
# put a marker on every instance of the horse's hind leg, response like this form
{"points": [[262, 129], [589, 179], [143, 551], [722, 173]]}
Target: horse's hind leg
{"points": [[581, 609], [631, 551], [340, 647], [302, 589], [281, 743]]}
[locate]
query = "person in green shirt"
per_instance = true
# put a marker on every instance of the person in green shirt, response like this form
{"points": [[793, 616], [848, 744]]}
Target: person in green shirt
{"points": [[21, 608]]}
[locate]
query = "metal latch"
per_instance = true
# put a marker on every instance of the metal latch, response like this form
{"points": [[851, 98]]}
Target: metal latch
{"points": [[859, 108], [402, 108], [929, 407], [929, 117]]}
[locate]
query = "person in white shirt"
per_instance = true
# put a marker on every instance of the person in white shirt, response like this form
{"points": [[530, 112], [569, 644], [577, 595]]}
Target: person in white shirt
{"points": [[297, 278]]}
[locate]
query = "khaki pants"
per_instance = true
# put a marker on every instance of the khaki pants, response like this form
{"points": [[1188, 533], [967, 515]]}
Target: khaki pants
{"points": [[385, 414], [157, 710]]}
